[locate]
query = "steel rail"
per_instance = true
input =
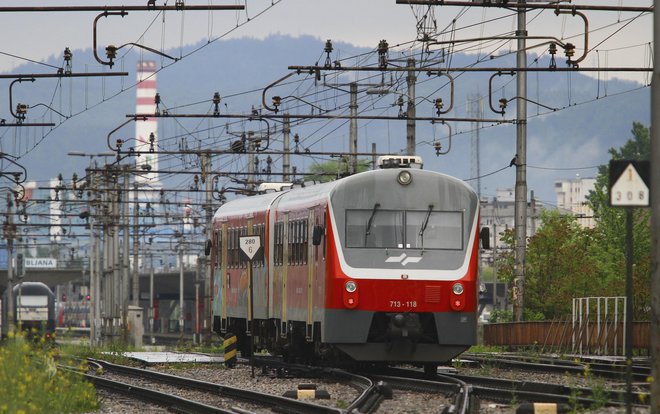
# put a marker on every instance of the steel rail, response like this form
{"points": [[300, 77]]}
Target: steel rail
{"points": [[600, 371], [172, 402], [505, 389], [460, 389]]}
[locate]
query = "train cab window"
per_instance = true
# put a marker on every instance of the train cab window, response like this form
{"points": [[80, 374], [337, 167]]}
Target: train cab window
{"points": [[374, 228], [434, 230]]}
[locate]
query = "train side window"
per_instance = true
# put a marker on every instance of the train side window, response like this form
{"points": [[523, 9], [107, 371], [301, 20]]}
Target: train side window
{"points": [[276, 245], [325, 229], [229, 247], [243, 260], [291, 241], [304, 240]]}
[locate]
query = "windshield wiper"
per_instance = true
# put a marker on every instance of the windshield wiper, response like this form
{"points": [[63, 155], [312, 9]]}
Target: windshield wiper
{"points": [[426, 222], [371, 219]]}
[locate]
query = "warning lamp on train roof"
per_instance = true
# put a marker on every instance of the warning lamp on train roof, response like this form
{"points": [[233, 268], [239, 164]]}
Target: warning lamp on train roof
{"points": [[404, 177]]}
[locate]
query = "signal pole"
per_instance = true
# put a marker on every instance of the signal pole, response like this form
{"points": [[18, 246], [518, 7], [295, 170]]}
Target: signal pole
{"points": [[208, 291], [655, 218], [521, 168], [10, 233], [411, 111]]}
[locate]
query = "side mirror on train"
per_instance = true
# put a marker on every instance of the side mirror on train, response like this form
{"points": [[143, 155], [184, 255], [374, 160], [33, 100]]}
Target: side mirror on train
{"points": [[207, 247], [484, 236], [317, 235]]}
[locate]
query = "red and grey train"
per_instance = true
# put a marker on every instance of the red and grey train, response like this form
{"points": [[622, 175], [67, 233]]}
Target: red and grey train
{"points": [[380, 266]]}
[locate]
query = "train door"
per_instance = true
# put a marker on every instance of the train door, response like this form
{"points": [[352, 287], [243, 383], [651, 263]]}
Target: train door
{"points": [[311, 264], [224, 278], [285, 268]]}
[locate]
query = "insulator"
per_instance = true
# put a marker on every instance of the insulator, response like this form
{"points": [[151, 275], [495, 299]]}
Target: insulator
{"points": [[152, 138], [111, 52], [216, 98], [383, 48], [68, 57], [257, 142], [157, 99], [296, 138], [438, 147], [269, 160], [119, 143], [569, 50], [439, 105], [21, 109], [400, 101], [328, 46], [277, 101], [553, 48], [503, 103]]}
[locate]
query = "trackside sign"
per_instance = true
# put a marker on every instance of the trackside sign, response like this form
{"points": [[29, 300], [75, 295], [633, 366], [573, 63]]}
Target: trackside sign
{"points": [[40, 263]]}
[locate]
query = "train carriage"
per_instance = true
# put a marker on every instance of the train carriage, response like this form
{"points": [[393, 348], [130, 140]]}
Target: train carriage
{"points": [[33, 309], [378, 266]]}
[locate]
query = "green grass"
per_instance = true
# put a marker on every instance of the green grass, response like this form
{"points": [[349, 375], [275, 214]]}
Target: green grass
{"points": [[31, 383]]}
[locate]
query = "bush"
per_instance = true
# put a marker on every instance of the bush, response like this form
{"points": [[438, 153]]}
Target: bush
{"points": [[31, 383]]}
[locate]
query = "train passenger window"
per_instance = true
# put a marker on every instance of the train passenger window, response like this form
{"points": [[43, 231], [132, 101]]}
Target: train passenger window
{"points": [[230, 262], [279, 244], [304, 240], [291, 240], [374, 228], [434, 230]]}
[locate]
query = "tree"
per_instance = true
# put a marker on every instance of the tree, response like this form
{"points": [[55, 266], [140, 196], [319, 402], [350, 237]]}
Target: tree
{"points": [[331, 170], [565, 261], [610, 240]]}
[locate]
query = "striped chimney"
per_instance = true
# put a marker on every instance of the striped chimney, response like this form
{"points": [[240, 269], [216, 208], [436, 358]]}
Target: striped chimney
{"points": [[146, 104]]}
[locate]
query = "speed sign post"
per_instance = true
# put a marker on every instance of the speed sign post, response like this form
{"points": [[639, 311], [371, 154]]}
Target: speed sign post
{"points": [[629, 188], [250, 246]]}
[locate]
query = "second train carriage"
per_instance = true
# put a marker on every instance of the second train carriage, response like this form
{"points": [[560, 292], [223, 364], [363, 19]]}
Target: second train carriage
{"points": [[381, 266]]}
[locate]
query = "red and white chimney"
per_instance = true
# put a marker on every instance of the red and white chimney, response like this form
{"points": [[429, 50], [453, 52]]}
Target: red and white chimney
{"points": [[146, 104]]}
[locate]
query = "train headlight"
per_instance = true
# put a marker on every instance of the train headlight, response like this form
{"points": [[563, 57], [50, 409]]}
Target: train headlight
{"points": [[404, 177], [351, 286], [457, 289]]}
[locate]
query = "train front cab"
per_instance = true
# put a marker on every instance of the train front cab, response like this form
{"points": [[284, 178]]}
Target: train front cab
{"points": [[402, 274]]}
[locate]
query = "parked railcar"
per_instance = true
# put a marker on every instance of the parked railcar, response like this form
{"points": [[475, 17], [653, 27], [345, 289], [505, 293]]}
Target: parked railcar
{"points": [[380, 266], [33, 310]]}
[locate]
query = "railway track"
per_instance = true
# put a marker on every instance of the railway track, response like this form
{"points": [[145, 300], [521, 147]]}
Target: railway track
{"points": [[611, 370], [508, 390], [220, 397]]}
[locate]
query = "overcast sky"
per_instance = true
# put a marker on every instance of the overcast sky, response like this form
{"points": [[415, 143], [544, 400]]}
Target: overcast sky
{"points": [[360, 22]]}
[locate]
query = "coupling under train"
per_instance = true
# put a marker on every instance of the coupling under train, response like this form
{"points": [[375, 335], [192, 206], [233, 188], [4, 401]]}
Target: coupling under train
{"points": [[380, 266]]}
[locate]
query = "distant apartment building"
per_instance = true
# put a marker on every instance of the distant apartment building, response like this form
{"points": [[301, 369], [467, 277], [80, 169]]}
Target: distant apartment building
{"points": [[572, 198], [498, 213]]}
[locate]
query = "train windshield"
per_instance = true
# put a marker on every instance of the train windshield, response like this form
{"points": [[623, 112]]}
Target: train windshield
{"points": [[434, 230], [411, 229], [374, 228], [32, 301]]}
